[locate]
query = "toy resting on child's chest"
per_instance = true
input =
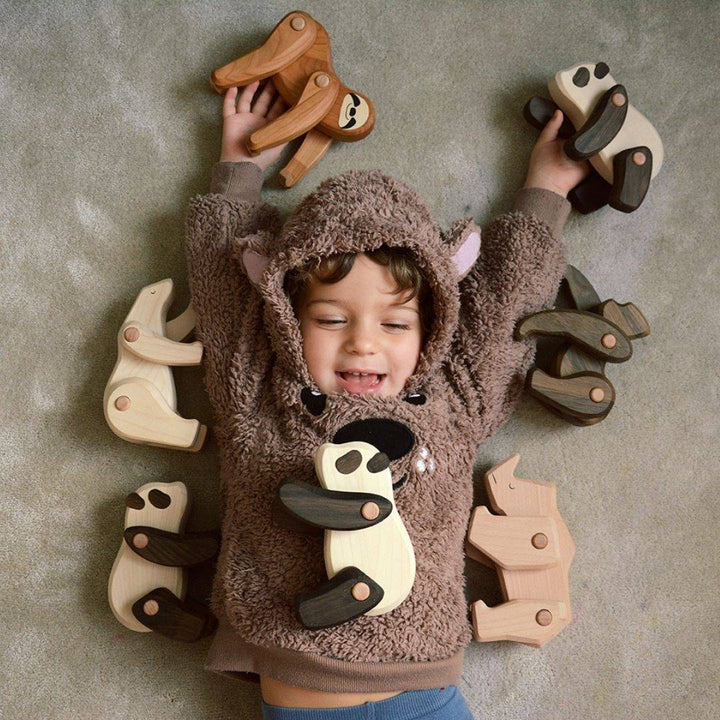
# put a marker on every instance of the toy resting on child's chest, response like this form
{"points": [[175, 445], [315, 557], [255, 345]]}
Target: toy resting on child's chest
{"points": [[602, 126], [296, 55]]}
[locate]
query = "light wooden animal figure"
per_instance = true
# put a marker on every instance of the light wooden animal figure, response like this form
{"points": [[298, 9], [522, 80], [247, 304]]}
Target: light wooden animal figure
{"points": [[296, 55], [140, 403], [369, 556], [531, 548], [148, 580], [618, 140]]}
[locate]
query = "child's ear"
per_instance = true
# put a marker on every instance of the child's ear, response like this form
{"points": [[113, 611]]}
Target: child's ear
{"points": [[463, 241]]}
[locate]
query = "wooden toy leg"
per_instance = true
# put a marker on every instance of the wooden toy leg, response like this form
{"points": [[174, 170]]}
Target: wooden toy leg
{"points": [[345, 596], [591, 194], [164, 613], [172, 549], [137, 412], [582, 399], [632, 170], [539, 110], [532, 622], [313, 147]]}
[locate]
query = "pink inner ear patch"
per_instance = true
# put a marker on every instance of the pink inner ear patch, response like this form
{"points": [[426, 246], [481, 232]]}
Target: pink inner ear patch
{"points": [[255, 265], [466, 256]]}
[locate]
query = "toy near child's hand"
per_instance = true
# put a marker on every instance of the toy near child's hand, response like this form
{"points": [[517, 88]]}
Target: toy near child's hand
{"points": [[550, 167], [243, 114]]}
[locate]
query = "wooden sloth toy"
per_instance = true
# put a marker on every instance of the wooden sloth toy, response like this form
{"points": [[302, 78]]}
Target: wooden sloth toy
{"points": [[595, 333], [369, 557], [531, 548], [148, 581], [140, 403], [296, 56], [601, 126]]}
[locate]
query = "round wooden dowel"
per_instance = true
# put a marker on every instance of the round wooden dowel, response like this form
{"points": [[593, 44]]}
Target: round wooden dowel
{"points": [[370, 510], [361, 591], [597, 394], [151, 607], [140, 541], [544, 618], [539, 541], [131, 334], [322, 80], [122, 403], [608, 341], [298, 23], [639, 158], [618, 99]]}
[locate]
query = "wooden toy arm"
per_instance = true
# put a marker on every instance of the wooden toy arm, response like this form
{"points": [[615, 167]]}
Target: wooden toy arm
{"points": [[316, 100], [292, 36], [180, 327], [171, 549], [333, 509], [590, 331], [156, 348]]}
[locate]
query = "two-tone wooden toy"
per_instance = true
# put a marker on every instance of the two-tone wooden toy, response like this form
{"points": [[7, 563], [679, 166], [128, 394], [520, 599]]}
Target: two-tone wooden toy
{"points": [[577, 389], [140, 402], [296, 56], [148, 581], [531, 549], [369, 557], [601, 126]]}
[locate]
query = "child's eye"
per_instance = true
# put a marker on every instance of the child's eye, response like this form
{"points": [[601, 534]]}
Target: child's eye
{"points": [[397, 325], [330, 322]]}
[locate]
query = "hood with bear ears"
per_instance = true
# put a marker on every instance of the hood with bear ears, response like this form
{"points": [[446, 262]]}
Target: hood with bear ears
{"points": [[357, 212]]}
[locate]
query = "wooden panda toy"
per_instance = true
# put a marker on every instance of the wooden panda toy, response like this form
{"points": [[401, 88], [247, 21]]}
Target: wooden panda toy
{"points": [[148, 580], [603, 127], [369, 556]]}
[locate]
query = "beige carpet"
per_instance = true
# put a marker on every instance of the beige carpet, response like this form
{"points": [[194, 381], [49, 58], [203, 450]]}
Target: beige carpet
{"points": [[108, 125]]}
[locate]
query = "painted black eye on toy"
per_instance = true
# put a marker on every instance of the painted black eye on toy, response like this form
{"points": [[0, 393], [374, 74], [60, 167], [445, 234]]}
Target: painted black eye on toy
{"points": [[134, 501], [601, 70], [582, 77], [159, 499]]}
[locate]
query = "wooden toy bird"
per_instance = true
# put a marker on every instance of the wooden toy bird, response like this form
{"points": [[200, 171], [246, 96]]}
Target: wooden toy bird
{"points": [[296, 56]]}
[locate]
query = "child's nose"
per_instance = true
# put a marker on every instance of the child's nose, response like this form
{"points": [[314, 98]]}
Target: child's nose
{"points": [[362, 340]]}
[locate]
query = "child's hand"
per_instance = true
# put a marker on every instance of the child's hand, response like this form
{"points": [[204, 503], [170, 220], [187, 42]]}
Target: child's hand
{"points": [[550, 167], [240, 122]]}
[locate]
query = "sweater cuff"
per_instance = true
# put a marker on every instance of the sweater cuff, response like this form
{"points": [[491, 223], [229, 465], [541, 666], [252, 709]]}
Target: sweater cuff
{"points": [[551, 208], [238, 181]]}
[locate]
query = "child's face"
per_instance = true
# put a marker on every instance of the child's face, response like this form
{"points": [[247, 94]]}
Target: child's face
{"points": [[359, 324]]}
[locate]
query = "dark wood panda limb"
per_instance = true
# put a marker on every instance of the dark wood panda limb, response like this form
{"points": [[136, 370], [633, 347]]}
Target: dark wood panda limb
{"points": [[167, 615], [333, 509], [632, 170], [601, 127], [172, 549], [345, 596], [539, 110]]}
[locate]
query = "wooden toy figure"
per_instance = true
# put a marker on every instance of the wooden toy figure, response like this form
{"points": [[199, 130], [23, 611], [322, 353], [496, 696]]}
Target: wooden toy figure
{"points": [[148, 581], [140, 402], [532, 550], [296, 55], [603, 127], [369, 557], [596, 332]]}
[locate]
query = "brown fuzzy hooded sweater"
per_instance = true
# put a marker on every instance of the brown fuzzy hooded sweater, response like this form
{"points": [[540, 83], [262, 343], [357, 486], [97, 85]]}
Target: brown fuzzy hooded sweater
{"points": [[271, 417]]}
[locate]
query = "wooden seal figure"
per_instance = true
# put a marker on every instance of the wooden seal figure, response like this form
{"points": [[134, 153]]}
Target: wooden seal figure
{"points": [[532, 550], [140, 403], [369, 556]]}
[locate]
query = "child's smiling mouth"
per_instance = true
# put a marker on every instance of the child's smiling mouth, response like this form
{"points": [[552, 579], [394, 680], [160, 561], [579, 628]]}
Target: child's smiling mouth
{"points": [[357, 382]]}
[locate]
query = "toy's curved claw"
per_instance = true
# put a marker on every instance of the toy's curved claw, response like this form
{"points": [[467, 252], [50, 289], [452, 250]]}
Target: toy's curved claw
{"points": [[292, 36]]}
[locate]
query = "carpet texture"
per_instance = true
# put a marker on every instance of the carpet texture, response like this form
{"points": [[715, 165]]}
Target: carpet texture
{"points": [[109, 126]]}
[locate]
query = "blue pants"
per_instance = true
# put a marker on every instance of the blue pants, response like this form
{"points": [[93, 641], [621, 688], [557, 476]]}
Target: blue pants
{"points": [[436, 704]]}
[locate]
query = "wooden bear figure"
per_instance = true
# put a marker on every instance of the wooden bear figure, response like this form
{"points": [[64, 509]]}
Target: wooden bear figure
{"points": [[140, 403], [148, 580], [622, 146], [369, 557], [532, 550]]}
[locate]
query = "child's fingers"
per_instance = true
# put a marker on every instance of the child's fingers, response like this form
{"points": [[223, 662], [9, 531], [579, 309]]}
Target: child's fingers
{"points": [[229, 102], [263, 102], [246, 97], [552, 127], [278, 107]]}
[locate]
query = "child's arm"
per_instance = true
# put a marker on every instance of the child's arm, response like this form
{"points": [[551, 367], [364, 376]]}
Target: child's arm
{"points": [[219, 226], [521, 263]]}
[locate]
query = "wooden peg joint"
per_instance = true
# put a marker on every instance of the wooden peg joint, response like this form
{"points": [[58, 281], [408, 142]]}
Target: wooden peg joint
{"points": [[544, 618]]}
